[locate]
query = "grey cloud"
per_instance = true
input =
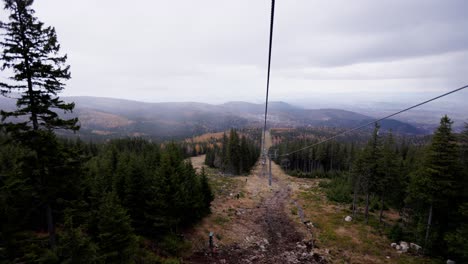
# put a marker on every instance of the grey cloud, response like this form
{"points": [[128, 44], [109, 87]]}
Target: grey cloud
{"points": [[216, 50]]}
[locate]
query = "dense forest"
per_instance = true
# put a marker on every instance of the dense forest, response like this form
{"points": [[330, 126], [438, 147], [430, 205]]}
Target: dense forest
{"points": [[115, 201], [235, 154], [425, 179]]}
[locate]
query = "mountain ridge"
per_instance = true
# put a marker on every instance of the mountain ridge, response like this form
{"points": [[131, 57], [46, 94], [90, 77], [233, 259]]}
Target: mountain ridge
{"points": [[122, 117]]}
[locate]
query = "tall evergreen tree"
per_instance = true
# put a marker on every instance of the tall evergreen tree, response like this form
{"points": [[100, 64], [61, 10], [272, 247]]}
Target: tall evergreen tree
{"points": [[372, 169], [389, 172], [116, 240], [435, 185], [31, 51], [208, 195]]}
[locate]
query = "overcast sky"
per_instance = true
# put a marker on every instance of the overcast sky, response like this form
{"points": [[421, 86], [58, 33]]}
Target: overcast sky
{"points": [[216, 50]]}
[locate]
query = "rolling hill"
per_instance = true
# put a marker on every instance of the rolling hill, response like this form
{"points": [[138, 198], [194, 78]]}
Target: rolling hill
{"points": [[107, 117]]}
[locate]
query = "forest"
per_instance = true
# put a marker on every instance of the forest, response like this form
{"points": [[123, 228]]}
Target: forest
{"points": [[112, 202], [235, 154], [424, 178]]}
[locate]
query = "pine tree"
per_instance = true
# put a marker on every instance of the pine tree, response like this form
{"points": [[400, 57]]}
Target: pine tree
{"points": [[435, 184], [116, 241], [233, 151], [75, 246], [31, 50], [389, 172], [372, 168]]}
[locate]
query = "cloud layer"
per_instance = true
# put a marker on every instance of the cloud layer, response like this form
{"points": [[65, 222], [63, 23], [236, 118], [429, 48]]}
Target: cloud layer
{"points": [[216, 50]]}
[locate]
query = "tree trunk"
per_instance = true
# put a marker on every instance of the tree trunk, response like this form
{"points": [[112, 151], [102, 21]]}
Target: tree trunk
{"points": [[367, 208], [50, 226], [356, 187], [428, 227], [381, 208]]}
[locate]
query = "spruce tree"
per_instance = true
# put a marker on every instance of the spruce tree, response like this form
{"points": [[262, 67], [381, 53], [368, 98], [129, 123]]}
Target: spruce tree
{"points": [[389, 172], [435, 185], [372, 167], [31, 51], [206, 191], [116, 240], [75, 246]]}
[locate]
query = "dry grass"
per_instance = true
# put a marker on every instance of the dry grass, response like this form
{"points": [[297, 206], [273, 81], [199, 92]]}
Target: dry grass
{"points": [[205, 137], [198, 162], [339, 241], [351, 242], [91, 118]]}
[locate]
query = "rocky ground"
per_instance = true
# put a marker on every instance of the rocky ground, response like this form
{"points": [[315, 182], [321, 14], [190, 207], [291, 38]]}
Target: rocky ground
{"points": [[291, 221], [261, 229]]}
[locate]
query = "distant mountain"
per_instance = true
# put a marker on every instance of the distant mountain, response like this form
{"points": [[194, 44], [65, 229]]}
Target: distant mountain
{"points": [[107, 117]]}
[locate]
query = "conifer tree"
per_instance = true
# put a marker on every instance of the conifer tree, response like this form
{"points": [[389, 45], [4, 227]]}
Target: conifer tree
{"points": [[75, 246], [435, 184], [208, 195], [31, 51], [371, 166], [389, 172], [116, 241]]}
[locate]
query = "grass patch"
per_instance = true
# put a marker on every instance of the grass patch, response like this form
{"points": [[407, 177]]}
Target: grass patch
{"points": [[294, 210], [353, 241], [174, 245], [221, 220]]}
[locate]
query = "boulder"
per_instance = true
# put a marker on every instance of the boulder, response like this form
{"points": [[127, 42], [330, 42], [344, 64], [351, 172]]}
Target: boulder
{"points": [[449, 261], [398, 247], [393, 245], [348, 218]]}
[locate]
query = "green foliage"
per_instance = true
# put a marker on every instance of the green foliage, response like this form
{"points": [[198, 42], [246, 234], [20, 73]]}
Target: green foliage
{"points": [[75, 246], [173, 245], [396, 233], [435, 189], [425, 178], [117, 242], [338, 189], [237, 154], [457, 239], [31, 52]]}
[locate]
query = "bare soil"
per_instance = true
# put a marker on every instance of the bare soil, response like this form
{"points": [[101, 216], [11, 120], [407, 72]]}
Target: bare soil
{"points": [[260, 227]]}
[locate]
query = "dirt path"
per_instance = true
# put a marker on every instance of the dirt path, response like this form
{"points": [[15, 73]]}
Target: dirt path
{"points": [[263, 231]]}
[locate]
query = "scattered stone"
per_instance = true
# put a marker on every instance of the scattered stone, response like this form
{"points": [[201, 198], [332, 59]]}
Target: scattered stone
{"points": [[348, 218], [393, 245], [222, 261], [398, 247], [449, 261], [404, 246], [415, 247], [388, 257], [309, 224], [254, 258], [300, 246]]}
